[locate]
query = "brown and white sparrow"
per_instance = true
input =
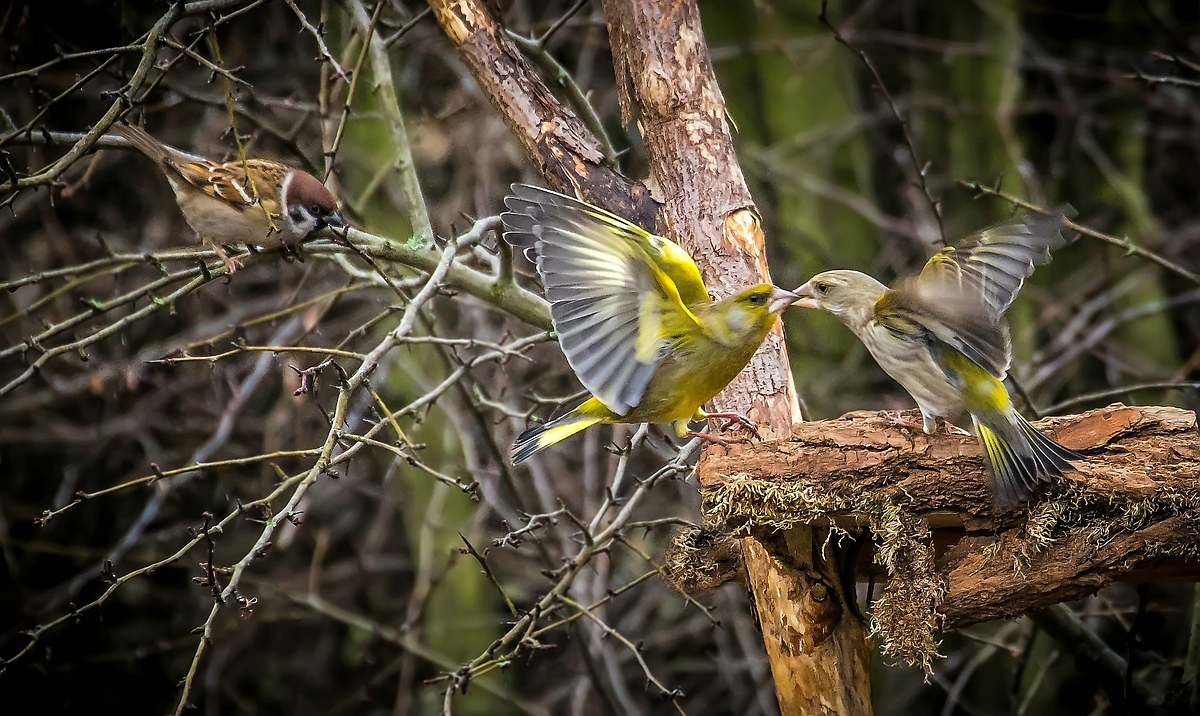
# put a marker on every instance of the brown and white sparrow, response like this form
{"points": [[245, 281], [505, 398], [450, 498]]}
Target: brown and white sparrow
{"points": [[259, 201]]}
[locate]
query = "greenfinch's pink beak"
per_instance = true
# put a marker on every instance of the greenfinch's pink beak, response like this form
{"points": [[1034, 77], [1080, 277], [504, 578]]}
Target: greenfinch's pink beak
{"points": [[780, 300], [806, 297]]}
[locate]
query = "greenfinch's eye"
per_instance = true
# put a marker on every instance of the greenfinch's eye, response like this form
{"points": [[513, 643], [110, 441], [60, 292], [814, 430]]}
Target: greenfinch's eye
{"points": [[758, 299], [822, 288]]}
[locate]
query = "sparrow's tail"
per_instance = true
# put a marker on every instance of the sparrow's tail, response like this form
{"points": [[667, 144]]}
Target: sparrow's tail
{"points": [[142, 141], [543, 435], [1019, 457]]}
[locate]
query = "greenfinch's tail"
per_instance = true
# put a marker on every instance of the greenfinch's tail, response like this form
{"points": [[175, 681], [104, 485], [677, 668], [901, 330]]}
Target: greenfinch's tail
{"points": [[1019, 457], [543, 435]]}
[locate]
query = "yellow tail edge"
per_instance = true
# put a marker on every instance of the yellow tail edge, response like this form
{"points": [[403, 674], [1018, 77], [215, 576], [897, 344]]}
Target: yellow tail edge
{"points": [[538, 437], [1019, 463]]}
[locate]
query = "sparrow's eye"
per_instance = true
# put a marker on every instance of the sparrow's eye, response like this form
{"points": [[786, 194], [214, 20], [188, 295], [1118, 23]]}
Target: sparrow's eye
{"points": [[758, 299], [822, 287], [317, 210]]}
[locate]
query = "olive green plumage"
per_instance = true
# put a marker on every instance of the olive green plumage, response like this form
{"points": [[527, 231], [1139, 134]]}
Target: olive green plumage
{"points": [[633, 316], [942, 336]]}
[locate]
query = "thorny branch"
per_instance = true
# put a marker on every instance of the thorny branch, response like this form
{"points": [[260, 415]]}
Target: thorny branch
{"points": [[597, 538]]}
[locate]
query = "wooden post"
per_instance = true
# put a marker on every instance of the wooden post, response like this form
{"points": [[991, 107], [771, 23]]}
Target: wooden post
{"points": [[819, 654]]}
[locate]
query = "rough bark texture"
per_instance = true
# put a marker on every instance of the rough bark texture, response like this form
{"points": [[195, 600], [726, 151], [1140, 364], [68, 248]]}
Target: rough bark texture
{"points": [[662, 64], [819, 654], [554, 138], [1131, 511]]}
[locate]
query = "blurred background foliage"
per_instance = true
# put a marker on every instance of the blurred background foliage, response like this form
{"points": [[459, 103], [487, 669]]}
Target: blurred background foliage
{"points": [[1095, 103]]}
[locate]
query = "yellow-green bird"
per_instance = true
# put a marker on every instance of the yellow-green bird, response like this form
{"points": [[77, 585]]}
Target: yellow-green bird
{"points": [[633, 317], [943, 337]]}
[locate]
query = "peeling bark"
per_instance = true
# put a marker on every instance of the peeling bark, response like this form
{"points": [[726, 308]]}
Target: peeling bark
{"points": [[662, 64]]}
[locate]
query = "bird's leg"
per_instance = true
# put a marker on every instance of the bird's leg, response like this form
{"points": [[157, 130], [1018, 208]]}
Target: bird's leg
{"points": [[736, 420], [295, 250], [928, 422], [231, 264], [717, 439]]}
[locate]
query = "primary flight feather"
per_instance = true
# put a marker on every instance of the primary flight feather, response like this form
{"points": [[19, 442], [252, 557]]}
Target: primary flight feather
{"points": [[633, 317], [942, 336]]}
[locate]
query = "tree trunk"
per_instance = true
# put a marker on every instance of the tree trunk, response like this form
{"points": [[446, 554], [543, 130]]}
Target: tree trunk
{"points": [[819, 654]]}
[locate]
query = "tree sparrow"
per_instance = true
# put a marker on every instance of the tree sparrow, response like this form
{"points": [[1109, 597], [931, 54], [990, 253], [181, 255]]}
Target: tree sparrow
{"points": [[258, 201]]}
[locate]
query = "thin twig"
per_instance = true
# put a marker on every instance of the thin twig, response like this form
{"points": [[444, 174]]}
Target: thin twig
{"points": [[319, 35], [389, 103], [1125, 243], [407, 27], [1100, 395], [919, 171]]}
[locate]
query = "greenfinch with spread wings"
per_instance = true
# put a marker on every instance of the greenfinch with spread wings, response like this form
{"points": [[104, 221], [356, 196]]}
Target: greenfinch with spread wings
{"points": [[943, 337], [633, 317]]}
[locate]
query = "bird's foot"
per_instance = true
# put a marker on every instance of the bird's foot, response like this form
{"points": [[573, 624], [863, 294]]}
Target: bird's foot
{"points": [[718, 439], [900, 421], [736, 420], [294, 251], [952, 429], [231, 264]]}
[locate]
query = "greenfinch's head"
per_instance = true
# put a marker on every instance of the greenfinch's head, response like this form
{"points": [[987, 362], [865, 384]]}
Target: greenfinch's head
{"points": [[755, 308], [842, 293], [763, 298]]}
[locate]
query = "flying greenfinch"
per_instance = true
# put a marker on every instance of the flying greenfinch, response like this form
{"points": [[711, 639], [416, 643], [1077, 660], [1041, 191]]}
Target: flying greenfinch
{"points": [[943, 337], [633, 318]]}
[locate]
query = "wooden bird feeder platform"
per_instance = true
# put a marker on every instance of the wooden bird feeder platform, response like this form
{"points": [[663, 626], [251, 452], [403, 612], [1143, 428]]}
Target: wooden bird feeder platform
{"points": [[1131, 512]]}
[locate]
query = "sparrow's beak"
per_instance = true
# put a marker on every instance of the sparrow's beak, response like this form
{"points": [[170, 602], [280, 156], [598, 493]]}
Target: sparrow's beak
{"points": [[780, 299], [806, 297], [335, 221]]}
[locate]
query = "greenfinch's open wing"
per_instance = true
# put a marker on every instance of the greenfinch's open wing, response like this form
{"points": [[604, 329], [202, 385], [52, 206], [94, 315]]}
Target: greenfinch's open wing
{"points": [[995, 262], [613, 306], [666, 255], [951, 313]]}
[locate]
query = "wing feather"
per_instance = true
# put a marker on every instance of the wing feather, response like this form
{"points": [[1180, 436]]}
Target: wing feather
{"points": [[995, 262], [963, 291], [528, 202], [959, 318], [608, 286]]}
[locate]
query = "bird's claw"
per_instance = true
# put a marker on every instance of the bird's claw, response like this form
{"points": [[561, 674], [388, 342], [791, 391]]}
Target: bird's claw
{"points": [[897, 419], [232, 264], [718, 439], [900, 421], [952, 429], [736, 420]]}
